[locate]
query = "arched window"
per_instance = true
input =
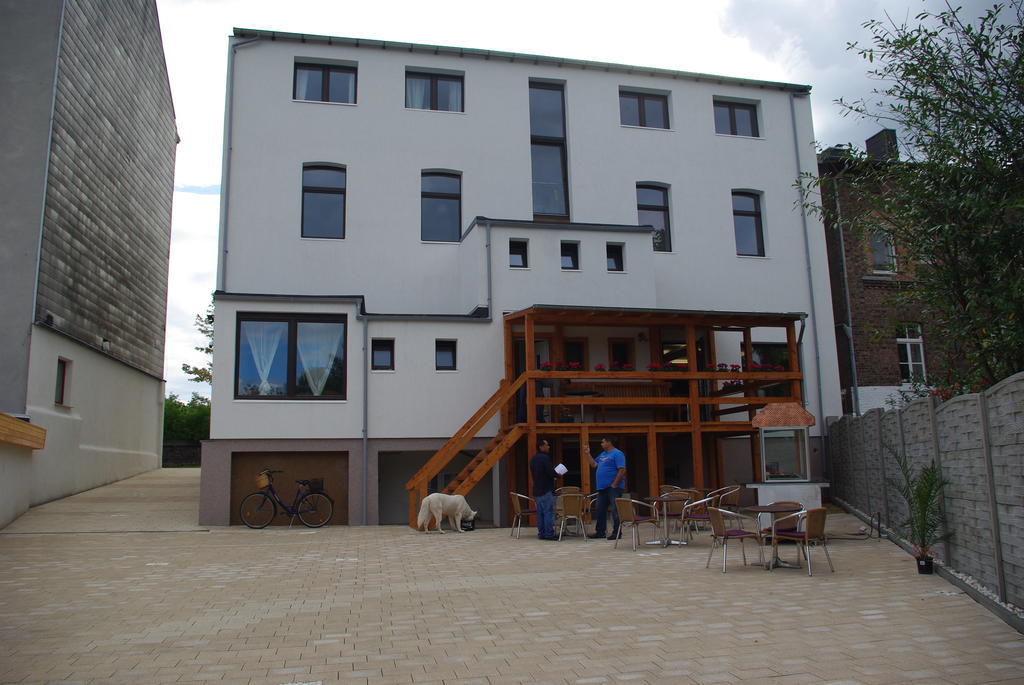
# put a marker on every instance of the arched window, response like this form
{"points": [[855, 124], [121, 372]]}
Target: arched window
{"points": [[440, 207], [746, 219], [652, 210], [323, 202]]}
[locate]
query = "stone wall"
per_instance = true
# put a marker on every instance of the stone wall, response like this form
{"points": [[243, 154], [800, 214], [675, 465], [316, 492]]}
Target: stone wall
{"points": [[978, 440]]}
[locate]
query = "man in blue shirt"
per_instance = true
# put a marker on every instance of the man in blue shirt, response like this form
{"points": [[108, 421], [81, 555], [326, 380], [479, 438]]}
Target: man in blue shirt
{"points": [[543, 490], [610, 481]]}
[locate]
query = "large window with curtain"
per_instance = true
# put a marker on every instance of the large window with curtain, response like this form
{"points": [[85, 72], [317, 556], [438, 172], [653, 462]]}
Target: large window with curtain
{"points": [[290, 356], [441, 92]]}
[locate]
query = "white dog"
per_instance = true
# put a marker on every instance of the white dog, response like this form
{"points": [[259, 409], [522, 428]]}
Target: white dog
{"points": [[438, 505]]}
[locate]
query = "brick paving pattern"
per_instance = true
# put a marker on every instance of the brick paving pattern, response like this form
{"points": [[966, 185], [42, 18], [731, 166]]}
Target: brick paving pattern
{"points": [[82, 602]]}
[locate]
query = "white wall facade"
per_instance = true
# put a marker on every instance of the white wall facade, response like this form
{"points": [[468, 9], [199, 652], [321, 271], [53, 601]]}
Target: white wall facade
{"points": [[109, 427], [404, 284]]}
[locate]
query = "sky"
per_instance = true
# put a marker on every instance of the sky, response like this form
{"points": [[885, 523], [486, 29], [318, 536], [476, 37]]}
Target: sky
{"points": [[793, 41]]}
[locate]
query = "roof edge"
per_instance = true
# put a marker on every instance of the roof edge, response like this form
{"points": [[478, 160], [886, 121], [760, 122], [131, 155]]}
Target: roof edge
{"points": [[516, 57]]}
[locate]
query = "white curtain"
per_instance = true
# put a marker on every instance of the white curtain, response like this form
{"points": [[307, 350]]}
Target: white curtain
{"points": [[302, 77], [417, 93], [263, 338], [318, 346]]}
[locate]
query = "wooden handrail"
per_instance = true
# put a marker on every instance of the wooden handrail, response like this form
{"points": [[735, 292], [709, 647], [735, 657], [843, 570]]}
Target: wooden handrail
{"points": [[462, 436]]}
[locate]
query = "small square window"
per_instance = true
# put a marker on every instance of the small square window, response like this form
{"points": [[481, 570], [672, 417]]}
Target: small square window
{"points": [[615, 261], [570, 256], [382, 354], [518, 258], [643, 109], [324, 83], [433, 91], [736, 119], [444, 355]]}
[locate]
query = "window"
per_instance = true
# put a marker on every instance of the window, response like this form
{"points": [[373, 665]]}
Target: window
{"points": [[518, 257], [735, 119], [911, 353], [281, 356], [324, 83], [746, 219], [642, 109], [547, 150], [570, 256], [63, 377], [576, 353], [441, 207], [444, 355], [784, 453], [615, 259], [441, 92], [652, 210], [620, 352], [382, 354], [323, 202], [883, 254]]}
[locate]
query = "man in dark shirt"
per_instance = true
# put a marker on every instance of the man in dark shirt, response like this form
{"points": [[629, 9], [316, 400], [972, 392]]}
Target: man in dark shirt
{"points": [[543, 490]]}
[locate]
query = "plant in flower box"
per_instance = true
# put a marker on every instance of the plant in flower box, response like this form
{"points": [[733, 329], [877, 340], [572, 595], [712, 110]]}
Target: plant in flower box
{"points": [[545, 366], [561, 366], [735, 368], [599, 367], [722, 367], [615, 366], [626, 367], [575, 366], [654, 366]]}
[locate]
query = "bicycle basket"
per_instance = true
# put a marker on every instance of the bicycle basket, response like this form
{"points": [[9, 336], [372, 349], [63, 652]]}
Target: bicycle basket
{"points": [[316, 484], [262, 480]]}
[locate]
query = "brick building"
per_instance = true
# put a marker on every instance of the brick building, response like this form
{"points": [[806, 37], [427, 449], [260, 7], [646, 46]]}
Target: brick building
{"points": [[881, 342], [88, 147]]}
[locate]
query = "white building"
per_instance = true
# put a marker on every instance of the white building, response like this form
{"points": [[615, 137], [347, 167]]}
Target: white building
{"points": [[386, 205]]}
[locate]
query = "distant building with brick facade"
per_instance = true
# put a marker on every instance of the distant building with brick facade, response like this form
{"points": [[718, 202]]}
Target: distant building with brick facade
{"points": [[881, 344], [88, 147]]}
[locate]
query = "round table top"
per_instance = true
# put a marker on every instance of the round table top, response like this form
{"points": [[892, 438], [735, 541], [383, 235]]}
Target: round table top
{"points": [[774, 508]]}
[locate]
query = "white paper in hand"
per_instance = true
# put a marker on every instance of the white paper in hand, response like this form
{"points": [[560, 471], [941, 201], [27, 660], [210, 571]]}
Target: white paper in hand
{"points": [[561, 470]]}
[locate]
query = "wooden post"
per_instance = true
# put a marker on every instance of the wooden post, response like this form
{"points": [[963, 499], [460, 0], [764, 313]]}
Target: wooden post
{"points": [[694, 407], [653, 477], [654, 336], [585, 481], [531, 386], [508, 411], [794, 361]]}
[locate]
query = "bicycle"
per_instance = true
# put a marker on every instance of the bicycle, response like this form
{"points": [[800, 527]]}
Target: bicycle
{"points": [[313, 506]]}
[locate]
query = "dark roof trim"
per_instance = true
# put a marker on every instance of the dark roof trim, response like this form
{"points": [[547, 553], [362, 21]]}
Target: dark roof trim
{"points": [[518, 57], [643, 310], [571, 226], [478, 315]]}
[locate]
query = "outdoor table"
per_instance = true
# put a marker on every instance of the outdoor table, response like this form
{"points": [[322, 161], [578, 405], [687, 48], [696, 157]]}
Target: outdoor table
{"points": [[759, 509], [664, 500]]}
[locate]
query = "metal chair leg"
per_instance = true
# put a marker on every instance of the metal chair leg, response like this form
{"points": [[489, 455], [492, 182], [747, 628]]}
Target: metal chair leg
{"points": [[824, 546], [714, 543]]}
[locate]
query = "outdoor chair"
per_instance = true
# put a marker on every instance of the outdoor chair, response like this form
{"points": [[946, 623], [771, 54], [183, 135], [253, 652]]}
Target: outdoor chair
{"points": [[695, 514], [721, 534], [812, 531], [673, 505], [522, 506], [665, 489], [731, 499], [572, 511], [564, 490], [628, 517]]}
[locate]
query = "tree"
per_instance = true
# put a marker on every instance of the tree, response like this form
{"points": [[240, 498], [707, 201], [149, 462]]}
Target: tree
{"points": [[189, 421], [204, 324], [954, 206]]}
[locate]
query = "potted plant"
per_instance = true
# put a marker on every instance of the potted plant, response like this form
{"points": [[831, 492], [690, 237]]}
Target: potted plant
{"points": [[545, 366], [922, 493]]}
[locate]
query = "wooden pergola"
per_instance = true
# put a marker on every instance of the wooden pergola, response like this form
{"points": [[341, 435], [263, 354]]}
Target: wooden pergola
{"points": [[740, 397]]}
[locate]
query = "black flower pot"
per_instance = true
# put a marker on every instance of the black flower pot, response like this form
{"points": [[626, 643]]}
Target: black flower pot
{"points": [[924, 565]]}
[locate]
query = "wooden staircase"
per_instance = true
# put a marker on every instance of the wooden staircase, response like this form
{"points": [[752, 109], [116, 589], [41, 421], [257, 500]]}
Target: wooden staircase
{"points": [[481, 464]]}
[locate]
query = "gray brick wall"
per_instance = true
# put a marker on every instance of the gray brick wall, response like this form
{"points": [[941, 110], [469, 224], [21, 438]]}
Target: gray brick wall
{"points": [[106, 233], [861, 463]]}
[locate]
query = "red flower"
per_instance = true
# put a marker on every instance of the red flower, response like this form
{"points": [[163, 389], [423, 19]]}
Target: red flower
{"points": [[779, 368], [599, 367]]}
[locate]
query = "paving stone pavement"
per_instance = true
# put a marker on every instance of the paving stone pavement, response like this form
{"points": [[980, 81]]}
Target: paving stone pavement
{"points": [[82, 601]]}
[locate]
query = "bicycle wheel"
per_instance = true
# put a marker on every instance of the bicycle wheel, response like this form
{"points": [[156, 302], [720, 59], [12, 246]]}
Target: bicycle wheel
{"points": [[316, 509], [257, 510]]}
